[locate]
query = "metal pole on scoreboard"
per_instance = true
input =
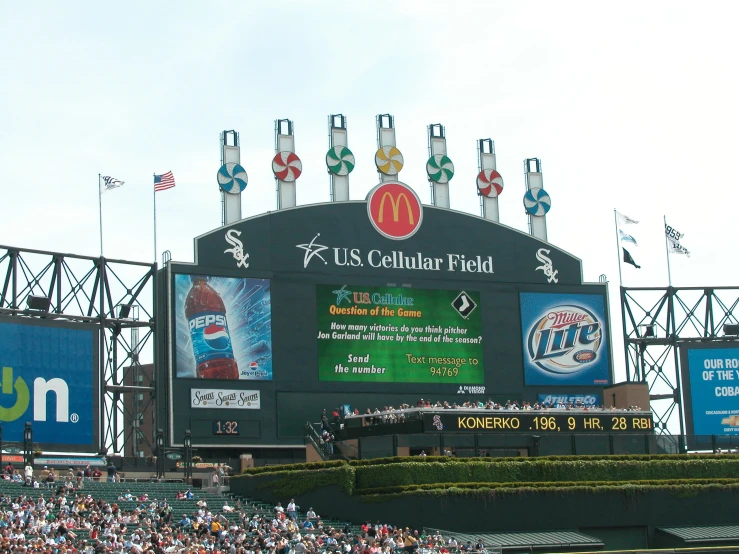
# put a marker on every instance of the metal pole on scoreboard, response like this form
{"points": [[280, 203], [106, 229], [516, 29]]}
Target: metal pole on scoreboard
{"points": [[100, 211], [667, 252], [618, 248]]}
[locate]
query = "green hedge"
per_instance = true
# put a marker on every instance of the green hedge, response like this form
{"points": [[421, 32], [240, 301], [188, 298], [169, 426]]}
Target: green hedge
{"points": [[544, 470], [449, 460], [296, 483], [598, 457], [629, 490], [545, 485], [294, 467], [680, 475]]}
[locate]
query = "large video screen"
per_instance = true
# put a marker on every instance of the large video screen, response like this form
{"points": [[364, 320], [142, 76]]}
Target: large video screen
{"points": [[712, 390], [565, 339], [223, 327], [48, 380], [399, 335]]}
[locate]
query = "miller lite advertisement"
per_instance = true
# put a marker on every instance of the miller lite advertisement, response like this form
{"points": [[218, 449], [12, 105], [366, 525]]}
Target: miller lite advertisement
{"points": [[565, 339], [223, 328]]}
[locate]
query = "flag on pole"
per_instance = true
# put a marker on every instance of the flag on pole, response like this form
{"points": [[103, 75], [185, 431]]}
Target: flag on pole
{"points": [[163, 182], [677, 248], [625, 219], [627, 238], [109, 183], [673, 241], [628, 259]]}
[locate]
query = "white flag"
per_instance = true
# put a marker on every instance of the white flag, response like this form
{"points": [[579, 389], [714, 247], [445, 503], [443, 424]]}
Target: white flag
{"points": [[627, 238], [677, 248], [625, 219], [110, 183], [673, 233], [673, 241]]}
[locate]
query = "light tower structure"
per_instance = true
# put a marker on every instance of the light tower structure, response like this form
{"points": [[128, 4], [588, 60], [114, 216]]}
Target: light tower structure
{"points": [[340, 161], [489, 181], [232, 178], [388, 159], [536, 201], [439, 167], [286, 165]]}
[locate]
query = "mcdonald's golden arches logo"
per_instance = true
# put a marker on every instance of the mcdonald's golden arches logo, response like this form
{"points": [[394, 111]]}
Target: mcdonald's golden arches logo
{"points": [[395, 210]]}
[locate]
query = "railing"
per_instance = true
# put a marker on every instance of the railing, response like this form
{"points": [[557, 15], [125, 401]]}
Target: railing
{"points": [[312, 437]]}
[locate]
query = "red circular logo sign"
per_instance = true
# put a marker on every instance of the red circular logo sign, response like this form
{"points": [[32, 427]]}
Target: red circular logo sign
{"points": [[395, 210]]}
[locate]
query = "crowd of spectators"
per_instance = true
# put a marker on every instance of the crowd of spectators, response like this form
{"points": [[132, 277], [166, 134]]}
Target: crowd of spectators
{"points": [[69, 519], [399, 414]]}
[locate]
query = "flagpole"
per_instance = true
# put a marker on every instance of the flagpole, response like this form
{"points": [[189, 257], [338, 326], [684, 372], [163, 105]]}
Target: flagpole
{"points": [[667, 252], [618, 248], [100, 209], [155, 223]]}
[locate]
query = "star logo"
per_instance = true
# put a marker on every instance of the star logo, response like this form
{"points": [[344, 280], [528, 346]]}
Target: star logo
{"points": [[312, 249], [342, 294]]}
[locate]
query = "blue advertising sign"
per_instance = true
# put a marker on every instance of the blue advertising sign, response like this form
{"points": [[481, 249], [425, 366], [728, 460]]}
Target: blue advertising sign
{"points": [[224, 328], [565, 339], [583, 399], [48, 380], [713, 386]]}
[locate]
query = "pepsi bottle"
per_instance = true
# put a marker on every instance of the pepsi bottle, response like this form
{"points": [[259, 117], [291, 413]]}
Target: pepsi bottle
{"points": [[211, 341]]}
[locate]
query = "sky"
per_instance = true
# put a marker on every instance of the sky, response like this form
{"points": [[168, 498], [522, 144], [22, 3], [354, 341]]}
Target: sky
{"points": [[629, 105]]}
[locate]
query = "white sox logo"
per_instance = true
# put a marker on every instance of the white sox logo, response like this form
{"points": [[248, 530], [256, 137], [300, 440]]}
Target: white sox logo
{"points": [[238, 248], [547, 268]]}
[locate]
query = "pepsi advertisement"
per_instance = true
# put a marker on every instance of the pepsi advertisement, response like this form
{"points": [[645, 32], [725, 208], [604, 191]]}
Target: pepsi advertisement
{"points": [[48, 380], [565, 339], [712, 390], [223, 328]]}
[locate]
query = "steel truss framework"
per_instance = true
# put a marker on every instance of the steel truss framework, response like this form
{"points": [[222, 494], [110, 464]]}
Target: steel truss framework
{"points": [[93, 291], [656, 321]]}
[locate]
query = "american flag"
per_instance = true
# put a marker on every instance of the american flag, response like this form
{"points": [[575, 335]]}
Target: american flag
{"points": [[164, 181]]}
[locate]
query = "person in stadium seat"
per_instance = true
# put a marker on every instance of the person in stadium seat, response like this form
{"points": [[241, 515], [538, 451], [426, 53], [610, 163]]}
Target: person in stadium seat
{"points": [[366, 420], [112, 472]]}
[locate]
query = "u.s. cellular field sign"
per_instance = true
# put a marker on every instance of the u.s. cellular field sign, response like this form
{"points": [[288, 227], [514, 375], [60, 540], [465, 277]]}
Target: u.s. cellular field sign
{"points": [[399, 335]]}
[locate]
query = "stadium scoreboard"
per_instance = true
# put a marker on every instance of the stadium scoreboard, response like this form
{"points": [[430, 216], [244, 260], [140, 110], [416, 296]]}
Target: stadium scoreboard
{"points": [[312, 322], [576, 422]]}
